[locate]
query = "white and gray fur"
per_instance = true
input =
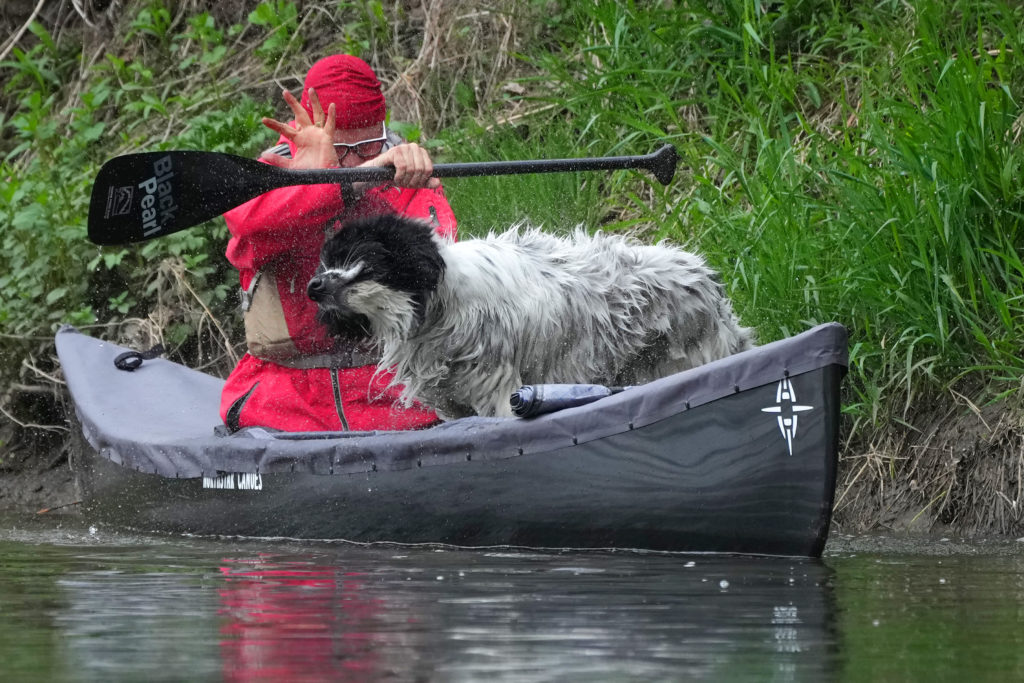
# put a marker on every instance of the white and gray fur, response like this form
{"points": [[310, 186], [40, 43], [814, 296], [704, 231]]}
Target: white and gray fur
{"points": [[483, 317]]}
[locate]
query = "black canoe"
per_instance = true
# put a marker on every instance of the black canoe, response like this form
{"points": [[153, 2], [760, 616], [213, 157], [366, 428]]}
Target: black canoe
{"points": [[735, 456]]}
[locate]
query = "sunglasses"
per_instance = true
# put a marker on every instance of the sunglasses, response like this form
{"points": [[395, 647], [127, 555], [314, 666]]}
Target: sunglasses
{"points": [[364, 148]]}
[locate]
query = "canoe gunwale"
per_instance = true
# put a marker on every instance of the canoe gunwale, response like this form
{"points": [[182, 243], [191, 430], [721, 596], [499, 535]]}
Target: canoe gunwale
{"points": [[188, 447]]}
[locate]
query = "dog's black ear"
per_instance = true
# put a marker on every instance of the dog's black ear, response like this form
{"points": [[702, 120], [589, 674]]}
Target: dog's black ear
{"points": [[404, 254], [420, 255]]}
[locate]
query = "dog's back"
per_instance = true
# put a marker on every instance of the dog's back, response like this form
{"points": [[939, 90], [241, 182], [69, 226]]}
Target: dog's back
{"points": [[618, 310]]}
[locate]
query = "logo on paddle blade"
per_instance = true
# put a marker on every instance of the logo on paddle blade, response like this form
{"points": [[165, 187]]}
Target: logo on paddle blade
{"points": [[788, 411], [119, 201]]}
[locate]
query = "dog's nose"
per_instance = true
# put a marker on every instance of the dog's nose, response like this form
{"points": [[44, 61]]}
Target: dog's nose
{"points": [[317, 288]]}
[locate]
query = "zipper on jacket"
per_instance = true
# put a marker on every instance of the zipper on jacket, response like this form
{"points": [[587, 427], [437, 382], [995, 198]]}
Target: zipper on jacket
{"points": [[337, 399], [233, 418]]}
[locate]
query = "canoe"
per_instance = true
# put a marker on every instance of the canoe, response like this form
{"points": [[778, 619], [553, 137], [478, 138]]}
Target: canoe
{"points": [[735, 456]]}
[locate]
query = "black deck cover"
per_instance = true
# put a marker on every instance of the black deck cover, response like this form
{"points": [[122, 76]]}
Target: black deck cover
{"points": [[161, 418]]}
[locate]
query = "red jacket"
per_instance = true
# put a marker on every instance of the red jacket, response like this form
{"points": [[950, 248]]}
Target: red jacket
{"points": [[284, 230]]}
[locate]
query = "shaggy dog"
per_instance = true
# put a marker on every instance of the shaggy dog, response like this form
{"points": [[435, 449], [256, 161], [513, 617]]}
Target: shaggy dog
{"points": [[465, 324]]}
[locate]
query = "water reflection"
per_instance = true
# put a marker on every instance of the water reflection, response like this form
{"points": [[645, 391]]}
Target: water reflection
{"points": [[295, 620], [120, 623], [106, 607], [454, 616]]}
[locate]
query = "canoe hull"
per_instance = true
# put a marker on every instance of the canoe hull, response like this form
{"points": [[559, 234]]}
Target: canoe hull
{"points": [[719, 477]]}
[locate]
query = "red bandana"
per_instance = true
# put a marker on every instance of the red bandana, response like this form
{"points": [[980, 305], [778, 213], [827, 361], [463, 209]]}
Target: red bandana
{"points": [[350, 84]]}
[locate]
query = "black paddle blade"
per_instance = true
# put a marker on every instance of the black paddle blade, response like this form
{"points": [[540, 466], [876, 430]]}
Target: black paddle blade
{"points": [[141, 196], [663, 164]]}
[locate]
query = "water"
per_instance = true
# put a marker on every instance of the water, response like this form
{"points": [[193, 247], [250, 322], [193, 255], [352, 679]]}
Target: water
{"points": [[81, 603]]}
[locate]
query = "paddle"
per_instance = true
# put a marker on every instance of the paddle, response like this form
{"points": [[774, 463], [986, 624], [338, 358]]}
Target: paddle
{"points": [[138, 197]]}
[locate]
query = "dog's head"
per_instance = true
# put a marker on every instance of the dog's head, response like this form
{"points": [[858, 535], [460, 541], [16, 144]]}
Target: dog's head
{"points": [[375, 276]]}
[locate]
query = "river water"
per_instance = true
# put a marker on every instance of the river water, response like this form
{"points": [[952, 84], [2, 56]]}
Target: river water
{"points": [[86, 603]]}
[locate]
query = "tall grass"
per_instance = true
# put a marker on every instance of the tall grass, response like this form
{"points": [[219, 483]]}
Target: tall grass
{"points": [[852, 163], [840, 161]]}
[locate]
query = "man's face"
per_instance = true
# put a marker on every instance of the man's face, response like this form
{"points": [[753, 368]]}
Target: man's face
{"points": [[368, 142]]}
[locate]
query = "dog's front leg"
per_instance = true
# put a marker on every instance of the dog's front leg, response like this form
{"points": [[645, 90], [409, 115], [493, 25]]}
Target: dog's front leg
{"points": [[499, 408], [494, 399]]}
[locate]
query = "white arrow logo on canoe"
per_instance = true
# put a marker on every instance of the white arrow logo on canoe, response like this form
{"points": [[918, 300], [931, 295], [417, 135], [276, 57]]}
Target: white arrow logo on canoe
{"points": [[787, 410]]}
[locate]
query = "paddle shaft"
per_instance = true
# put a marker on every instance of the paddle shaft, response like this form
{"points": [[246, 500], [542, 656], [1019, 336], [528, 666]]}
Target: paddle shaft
{"points": [[648, 162]]}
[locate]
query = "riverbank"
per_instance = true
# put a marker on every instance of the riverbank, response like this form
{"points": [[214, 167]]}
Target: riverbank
{"points": [[43, 482], [954, 465]]}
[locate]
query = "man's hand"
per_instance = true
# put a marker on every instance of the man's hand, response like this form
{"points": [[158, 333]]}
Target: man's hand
{"points": [[412, 163], [314, 140], [314, 146]]}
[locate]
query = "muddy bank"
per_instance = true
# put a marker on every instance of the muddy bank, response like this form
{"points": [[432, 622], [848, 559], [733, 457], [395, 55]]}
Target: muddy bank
{"points": [[955, 467], [39, 483]]}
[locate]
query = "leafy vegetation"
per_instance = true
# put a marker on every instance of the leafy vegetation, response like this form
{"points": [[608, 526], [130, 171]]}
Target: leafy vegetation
{"points": [[840, 161]]}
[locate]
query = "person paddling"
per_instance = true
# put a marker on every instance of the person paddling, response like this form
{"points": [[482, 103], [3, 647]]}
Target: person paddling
{"points": [[293, 376]]}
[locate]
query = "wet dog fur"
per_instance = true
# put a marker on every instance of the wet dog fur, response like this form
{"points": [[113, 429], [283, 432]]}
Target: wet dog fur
{"points": [[464, 324]]}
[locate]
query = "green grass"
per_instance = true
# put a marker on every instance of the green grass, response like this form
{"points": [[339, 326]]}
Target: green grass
{"points": [[856, 162]]}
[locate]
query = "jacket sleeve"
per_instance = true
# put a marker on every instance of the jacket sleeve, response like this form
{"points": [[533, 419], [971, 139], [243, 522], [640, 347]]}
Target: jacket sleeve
{"points": [[279, 222], [430, 205]]}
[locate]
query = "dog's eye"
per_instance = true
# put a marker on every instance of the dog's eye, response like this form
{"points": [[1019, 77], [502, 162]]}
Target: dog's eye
{"points": [[346, 275]]}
